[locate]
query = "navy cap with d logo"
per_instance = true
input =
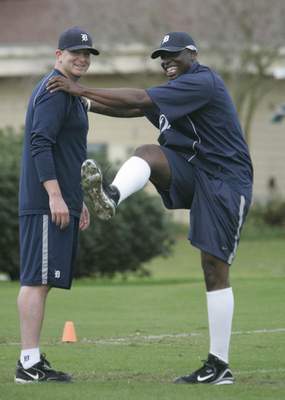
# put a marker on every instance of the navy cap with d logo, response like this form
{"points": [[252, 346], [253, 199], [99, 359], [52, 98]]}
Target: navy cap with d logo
{"points": [[174, 42], [76, 39]]}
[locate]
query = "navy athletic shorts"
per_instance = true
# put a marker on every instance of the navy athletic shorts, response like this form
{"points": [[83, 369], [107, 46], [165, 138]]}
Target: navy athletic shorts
{"points": [[217, 210], [47, 253]]}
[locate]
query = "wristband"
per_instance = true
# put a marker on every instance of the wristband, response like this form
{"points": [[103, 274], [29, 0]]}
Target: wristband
{"points": [[88, 104]]}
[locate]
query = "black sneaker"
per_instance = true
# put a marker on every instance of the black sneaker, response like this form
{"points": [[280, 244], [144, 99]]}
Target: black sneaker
{"points": [[104, 197], [40, 372], [214, 371]]}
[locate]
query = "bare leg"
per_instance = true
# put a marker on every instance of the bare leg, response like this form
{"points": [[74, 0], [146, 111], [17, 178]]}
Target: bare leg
{"points": [[156, 159], [220, 304], [31, 306], [216, 272], [33, 366], [148, 163]]}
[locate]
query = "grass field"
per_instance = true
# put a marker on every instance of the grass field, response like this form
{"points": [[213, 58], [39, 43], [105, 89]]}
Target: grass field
{"points": [[135, 336]]}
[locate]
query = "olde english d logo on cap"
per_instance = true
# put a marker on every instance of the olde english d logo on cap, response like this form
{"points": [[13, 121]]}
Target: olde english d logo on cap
{"points": [[165, 39], [84, 37]]}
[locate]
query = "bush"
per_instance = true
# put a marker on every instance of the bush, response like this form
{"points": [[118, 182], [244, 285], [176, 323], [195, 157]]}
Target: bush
{"points": [[10, 150], [266, 220], [139, 232], [272, 213]]}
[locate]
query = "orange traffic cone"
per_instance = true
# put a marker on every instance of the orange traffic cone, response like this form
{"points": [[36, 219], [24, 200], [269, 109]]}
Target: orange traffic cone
{"points": [[69, 334]]}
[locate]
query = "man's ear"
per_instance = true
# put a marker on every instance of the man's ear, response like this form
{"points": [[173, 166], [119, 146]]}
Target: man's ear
{"points": [[193, 55], [58, 54]]}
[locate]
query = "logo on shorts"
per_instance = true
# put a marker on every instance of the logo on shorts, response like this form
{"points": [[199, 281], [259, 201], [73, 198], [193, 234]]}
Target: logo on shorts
{"points": [[57, 274], [163, 123]]}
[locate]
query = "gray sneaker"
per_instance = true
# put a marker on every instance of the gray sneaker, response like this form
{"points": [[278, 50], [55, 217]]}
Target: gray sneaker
{"points": [[104, 197]]}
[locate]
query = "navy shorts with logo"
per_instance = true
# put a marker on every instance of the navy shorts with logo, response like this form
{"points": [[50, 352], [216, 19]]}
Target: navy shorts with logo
{"points": [[47, 253], [217, 209]]}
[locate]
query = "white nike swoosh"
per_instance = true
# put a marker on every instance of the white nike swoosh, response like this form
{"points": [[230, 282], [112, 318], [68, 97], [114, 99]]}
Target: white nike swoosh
{"points": [[36, 377], [204, 378]]}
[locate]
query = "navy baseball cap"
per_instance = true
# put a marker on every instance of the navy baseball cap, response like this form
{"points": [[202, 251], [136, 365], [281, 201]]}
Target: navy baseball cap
{"points": [[76, 39], [173, 42]]}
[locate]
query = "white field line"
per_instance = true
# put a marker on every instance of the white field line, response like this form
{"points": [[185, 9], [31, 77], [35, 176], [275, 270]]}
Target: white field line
{"points": [[126, 340], [261, 371], [277, 330], [153, 338]]}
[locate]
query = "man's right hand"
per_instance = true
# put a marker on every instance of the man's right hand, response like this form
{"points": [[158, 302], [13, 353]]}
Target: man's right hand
{"points": [[59, 211], [58, 208]]}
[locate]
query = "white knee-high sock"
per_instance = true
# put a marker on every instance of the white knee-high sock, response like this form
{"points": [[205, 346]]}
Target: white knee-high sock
{"points": [[220, 314], [131, 177]]}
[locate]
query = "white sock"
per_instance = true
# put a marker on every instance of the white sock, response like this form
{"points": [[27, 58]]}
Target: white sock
{"points": [[131, 177], [30, 357], [220, 314]]}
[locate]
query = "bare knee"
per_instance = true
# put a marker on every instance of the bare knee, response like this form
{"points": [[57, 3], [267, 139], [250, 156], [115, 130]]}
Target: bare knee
{"points": [[159, 166], [148, 153], [32, 293], [216, 272]]}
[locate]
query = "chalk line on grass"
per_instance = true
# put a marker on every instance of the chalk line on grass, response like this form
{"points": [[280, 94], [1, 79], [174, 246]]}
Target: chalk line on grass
{"points": [[138, 338], [152, 338]]}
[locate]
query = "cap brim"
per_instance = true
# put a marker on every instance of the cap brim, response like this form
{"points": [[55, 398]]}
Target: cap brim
{"points": [[82, 47], [158, 52]]}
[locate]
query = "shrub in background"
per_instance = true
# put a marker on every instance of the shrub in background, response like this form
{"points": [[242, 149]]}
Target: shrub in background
{"points": [[265, 220], [274, 213], [10, 153], [139, 232]]}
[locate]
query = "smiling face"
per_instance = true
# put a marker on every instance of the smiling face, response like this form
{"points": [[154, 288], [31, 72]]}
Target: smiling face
{"points": [[72, 64], [177, 63]]}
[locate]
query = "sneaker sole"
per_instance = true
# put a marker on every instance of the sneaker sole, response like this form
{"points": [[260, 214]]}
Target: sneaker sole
{"points": [[221, 380], [20, 381], [226, 378], [104, 207], [224, 382], [24, 382]]}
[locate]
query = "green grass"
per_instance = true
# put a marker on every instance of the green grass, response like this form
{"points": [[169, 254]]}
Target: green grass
{"points": [[131, 342]]}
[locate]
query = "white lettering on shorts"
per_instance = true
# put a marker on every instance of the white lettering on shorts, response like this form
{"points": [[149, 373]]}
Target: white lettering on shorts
{"points": [[163, 123], [57, 274]]}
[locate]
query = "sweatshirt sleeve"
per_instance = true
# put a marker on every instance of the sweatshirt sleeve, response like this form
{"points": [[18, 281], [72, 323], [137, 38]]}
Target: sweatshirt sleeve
{"points": [[50, 111], [183, 95]]}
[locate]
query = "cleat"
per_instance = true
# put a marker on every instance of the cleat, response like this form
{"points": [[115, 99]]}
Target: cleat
{"points": [[104, 198], [40, 372], [214, 371]]}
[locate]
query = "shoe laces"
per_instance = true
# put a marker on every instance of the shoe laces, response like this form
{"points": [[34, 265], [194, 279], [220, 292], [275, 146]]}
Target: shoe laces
{"points": [[47, 366], [45, 362], [110, 190], [206, 365]]}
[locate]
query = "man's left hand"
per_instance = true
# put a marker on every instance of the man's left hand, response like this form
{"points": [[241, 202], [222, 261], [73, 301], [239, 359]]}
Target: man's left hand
{"points": [[67, 85]]}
